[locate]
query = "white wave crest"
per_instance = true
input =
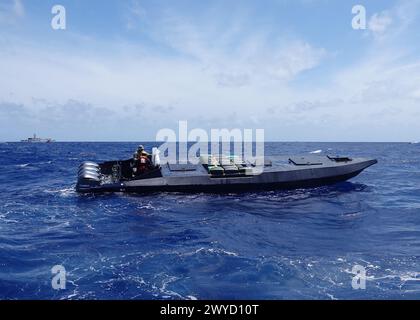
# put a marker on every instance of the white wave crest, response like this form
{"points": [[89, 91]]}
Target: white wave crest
{"points": [[24, 165]]}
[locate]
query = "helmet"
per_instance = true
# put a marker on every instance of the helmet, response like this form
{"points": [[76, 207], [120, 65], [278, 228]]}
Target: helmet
{"points": [[141, 148]]}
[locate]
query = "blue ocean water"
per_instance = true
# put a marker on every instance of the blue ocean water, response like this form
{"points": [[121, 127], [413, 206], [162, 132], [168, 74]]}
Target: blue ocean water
{"points": [[299, 244]]}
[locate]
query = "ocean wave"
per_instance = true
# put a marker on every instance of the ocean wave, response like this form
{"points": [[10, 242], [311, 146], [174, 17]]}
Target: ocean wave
{"points": [[258, 245], [24, 165], [65, 192], [213, 251]]}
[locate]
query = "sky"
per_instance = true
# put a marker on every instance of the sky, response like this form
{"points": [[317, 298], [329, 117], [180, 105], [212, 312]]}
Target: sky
{"points": [[122, 70]]}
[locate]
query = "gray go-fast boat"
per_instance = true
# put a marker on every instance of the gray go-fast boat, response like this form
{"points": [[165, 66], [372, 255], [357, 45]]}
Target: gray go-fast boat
{"points": [[222, 174]]}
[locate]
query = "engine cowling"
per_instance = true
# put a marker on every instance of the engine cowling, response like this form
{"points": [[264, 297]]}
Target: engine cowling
{"points": [[89, 175]]}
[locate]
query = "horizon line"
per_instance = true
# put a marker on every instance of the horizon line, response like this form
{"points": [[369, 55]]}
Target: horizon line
{"points": [[151, 141]]}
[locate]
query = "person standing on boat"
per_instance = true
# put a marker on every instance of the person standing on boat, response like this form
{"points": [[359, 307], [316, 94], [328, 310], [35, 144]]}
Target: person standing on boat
{"points": [[143, 161], [142, 152]]}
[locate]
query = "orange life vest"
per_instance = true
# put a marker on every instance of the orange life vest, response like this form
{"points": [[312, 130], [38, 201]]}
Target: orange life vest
{"points": [[143, 164]]}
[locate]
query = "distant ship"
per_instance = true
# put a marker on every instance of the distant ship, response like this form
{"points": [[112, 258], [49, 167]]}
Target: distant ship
{"points": [[35, 139]]}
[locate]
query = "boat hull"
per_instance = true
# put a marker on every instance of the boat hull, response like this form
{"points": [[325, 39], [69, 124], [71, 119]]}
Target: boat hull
{"points": [[228, 188], [283, 178]]}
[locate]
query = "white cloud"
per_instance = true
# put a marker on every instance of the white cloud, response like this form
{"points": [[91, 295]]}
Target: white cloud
{"points": [[11, 11], [230, 50], [380, 22], [296, 58], [214, 67], [391, 24], [134, 12], [18, 8], [215, 75]]}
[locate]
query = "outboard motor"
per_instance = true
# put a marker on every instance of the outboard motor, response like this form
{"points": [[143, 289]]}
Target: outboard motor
{"points": [[89, 175]]}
